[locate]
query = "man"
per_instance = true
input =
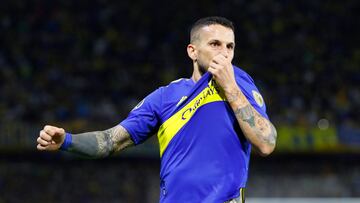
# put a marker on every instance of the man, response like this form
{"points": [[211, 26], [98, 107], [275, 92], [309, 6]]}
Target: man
{"points": [[206, 125]]}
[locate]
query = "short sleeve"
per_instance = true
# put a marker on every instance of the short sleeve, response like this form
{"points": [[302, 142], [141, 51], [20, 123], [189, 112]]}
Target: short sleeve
{"points": [[248, 87], [143, 120]]}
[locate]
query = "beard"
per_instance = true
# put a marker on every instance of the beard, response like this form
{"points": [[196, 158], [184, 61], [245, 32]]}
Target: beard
{"points": [[202, 68]]}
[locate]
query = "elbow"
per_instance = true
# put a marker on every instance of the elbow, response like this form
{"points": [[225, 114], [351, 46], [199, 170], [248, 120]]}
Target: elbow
{"points": [[268, 144], [266, 150]]}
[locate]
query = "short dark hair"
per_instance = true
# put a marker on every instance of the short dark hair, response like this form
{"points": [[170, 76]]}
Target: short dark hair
{"points": [[212, 20]]}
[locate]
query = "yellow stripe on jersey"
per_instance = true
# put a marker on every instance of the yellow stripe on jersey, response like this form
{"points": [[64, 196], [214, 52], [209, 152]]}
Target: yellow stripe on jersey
{"points": [[172, 125], [240, 199]]}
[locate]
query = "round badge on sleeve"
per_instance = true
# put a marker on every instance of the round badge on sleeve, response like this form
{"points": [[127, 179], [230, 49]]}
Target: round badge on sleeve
{"points": [[258, 98]]}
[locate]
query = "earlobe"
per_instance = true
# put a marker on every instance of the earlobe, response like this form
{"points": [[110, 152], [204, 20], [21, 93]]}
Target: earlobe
{"points": [[192, 53]]}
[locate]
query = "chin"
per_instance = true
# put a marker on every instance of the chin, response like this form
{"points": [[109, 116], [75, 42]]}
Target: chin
{"points": [[202, 70]]}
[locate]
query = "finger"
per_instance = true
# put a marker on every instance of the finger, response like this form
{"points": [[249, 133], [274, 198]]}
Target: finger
{"points": [[215, 66], [42, 142], [224, 58], [50, 130], [220, 59], [45, 136], [40, 147], [213, 71], [61, 130]]}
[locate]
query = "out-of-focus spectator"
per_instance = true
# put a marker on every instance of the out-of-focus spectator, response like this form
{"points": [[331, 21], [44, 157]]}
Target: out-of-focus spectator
{"points": [[89, 63], [65, 61]]}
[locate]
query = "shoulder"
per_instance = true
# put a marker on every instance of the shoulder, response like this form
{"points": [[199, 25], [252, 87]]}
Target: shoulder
{"points": [[247, 85], [181, 82], [177, 87], [244, 80], [242, 76], [173, 89]]}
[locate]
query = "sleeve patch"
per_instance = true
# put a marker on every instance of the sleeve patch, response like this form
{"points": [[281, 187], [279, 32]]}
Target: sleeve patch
{"points": [[258, 98]]}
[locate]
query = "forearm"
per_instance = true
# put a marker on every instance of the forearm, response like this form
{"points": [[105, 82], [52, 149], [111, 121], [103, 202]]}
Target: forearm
{"points": [[260, 132], [99, 144]]}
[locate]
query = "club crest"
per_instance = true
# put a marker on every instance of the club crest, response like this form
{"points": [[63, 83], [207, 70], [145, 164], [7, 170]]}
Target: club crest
{"points": [[258, 98]]}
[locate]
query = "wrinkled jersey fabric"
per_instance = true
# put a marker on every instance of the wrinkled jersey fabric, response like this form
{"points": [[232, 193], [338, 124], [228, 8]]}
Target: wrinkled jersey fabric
{"points": [[204, 154]]}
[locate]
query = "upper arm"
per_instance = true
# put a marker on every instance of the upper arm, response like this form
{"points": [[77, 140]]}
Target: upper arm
{"points": [[144, 120], [121, 138], [252, 94]]}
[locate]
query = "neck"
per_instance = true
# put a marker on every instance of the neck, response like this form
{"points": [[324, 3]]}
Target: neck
{"points": [[197, 74]]}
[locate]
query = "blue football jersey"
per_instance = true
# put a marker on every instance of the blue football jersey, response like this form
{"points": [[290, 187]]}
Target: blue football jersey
{"points": [[204, 154]]}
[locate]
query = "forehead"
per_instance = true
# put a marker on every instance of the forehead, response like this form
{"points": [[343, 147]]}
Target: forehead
{"points": [[217, 32]]}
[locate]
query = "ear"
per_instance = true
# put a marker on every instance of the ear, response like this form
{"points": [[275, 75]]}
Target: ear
{"points": [[192, 52]]}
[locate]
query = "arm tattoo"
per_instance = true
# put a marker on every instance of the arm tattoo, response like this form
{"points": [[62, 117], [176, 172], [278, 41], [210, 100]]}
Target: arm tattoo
{"points": [[233, 96], [246, 114], [251, 122], [99, 144], [264, 130], [273, 135]]}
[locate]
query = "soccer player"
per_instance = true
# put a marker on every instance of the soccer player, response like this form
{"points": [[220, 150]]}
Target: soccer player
{"points": [[205, 125]]}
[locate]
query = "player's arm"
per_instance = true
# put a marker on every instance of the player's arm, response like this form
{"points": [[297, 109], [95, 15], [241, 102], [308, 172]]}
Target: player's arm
{"points": [[260, 132], [95, 144], [257, 129]]}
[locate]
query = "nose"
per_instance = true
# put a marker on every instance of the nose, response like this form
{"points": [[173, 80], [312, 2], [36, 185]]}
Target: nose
{"points": [[225, 52]]}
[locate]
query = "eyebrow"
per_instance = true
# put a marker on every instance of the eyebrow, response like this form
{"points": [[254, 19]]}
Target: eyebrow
{"points": [[228, 43], [231, 43]]}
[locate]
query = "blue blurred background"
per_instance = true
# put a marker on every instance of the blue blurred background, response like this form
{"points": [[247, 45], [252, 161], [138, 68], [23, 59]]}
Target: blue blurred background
{"points": [[84, 65]]}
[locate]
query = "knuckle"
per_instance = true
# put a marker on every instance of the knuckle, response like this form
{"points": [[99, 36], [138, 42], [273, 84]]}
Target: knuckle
{"points": [[49, 132], [39, 147], [49, 128], [43, 135], [41, 141]]}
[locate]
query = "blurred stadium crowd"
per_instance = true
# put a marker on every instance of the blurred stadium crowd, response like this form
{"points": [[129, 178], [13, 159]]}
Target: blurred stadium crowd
{"points": [[87, 64], [62, 61]]}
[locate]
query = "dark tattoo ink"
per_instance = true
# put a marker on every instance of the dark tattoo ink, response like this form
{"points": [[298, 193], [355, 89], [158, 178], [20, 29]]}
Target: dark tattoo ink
{"points": [[263, 129], [101, 143], [246, 114]]}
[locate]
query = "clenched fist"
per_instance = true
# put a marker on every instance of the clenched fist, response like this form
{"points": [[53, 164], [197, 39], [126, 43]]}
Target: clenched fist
{"points": [[223, 72], [50, 138]]}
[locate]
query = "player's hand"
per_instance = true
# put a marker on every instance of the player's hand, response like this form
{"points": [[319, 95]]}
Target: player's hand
{"points": [[50, 138], [223, 72]]}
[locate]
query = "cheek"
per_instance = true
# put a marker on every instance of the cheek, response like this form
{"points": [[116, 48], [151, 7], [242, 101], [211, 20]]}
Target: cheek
{"points": [[206, 56], [204, 60], [232, 56]]}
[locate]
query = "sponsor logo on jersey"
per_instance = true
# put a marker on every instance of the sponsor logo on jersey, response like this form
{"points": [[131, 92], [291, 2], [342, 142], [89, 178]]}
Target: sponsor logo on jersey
{"points": [[172, 125], [201, 99]]}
